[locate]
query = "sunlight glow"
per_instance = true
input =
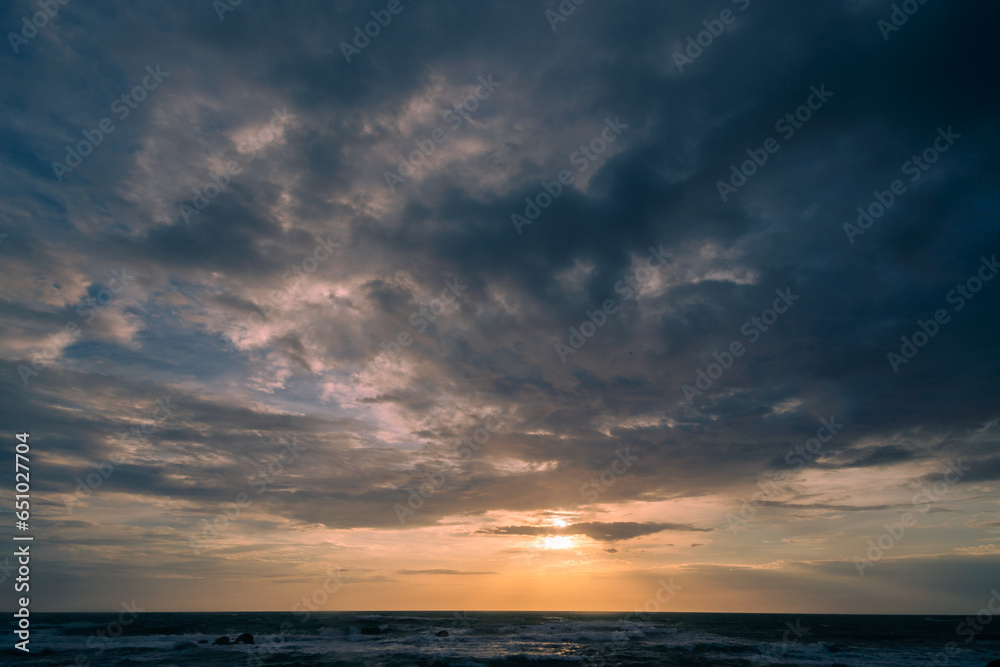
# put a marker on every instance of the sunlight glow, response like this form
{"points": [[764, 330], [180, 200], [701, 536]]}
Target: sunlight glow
{"points": [[559, 542]]}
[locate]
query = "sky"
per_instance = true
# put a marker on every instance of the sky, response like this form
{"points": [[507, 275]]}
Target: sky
{"points": [[503, 305]]}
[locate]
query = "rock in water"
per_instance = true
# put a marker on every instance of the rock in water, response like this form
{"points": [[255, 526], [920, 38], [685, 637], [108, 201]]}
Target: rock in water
{"points": [[443, 633], [995, 663], [245, 638], [222, 641]]}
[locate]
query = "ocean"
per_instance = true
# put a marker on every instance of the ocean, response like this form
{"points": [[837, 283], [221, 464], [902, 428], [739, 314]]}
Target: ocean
{"points": [[494, 639]]}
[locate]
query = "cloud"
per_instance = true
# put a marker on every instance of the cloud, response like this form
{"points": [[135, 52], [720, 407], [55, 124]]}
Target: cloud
{"points": [[979, 550], [972, 470], [881, 456], [604, 532]]}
